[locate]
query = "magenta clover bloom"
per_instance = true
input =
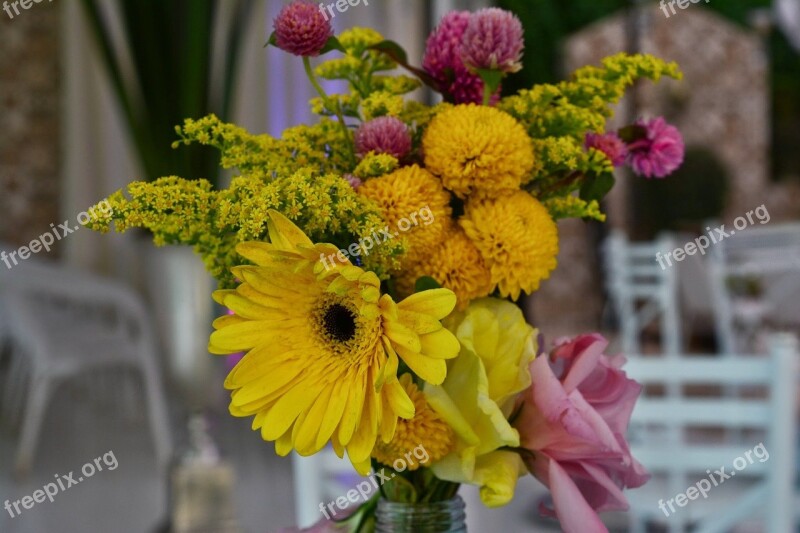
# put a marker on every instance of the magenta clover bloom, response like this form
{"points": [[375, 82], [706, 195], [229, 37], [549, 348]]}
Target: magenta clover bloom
{"points": [[660, 152], [610, 144], [443, 61], [302, 29], [383, 135], [493, 40]]}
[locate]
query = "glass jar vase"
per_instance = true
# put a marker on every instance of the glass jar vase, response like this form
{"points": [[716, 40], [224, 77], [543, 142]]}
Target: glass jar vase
{"points": [[439, 517]]}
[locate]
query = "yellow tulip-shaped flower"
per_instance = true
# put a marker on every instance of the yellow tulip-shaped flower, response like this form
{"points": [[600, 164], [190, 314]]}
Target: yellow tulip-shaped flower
{"points": [[322, 346], [476, 399]]}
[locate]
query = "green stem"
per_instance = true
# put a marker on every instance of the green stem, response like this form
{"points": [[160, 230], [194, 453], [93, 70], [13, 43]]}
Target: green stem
{"points": [[487, 93], [330, 105]]}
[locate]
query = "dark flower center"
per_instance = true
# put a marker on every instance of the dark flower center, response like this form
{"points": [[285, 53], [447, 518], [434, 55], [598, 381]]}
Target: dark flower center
{"points": [[339, 323]]}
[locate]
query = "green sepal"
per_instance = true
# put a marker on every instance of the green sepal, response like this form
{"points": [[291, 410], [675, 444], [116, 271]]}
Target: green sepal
{"points": [[426, 283], [491, 78], [632, 133]]}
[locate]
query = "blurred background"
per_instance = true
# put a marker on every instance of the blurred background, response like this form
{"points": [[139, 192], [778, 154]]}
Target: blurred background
{"points": [[102, 338]]}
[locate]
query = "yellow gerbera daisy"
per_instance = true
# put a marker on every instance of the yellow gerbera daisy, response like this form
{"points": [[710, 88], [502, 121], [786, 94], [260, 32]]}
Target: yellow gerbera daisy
{"points": [[477, 150], [426, 430], [414, 204], [322, 346], [516, 237], [454, 263]]}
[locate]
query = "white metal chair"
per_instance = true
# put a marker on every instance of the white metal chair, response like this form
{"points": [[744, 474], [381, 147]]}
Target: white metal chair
{"points": [[755, 252], [65, 324], [641, 291], [703, 448]]}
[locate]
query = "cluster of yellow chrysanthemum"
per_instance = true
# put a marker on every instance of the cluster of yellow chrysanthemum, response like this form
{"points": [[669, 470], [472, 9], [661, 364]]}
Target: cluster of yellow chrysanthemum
{"points": [[503, 239]]}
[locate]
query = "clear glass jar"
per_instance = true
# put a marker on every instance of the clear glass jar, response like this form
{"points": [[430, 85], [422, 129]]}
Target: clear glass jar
{"points": [[440, 517]]}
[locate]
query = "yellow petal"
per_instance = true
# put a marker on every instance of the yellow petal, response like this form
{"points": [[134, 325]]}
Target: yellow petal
{"points": [[431, 370], [305, 440], [283, 446], [227, 320], [283, 233], [419, 322], [441, 344], [352, 412], [286, 410], [361, 445], [435, 302], [389, 370], [399, 401], [444, 406], [402, 336], [247, 308], [333, 414], [219, 295]]}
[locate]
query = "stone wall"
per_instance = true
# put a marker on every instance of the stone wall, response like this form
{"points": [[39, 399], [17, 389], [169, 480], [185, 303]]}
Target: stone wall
{"points": [[29, 122]]}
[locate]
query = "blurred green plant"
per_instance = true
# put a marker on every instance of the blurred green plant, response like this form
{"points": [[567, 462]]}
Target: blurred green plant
{"points": [[171, 48]]}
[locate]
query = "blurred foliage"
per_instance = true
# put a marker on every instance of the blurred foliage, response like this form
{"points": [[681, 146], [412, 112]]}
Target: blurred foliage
{"points": [[171, 44], [548, 23], [693, 194]]}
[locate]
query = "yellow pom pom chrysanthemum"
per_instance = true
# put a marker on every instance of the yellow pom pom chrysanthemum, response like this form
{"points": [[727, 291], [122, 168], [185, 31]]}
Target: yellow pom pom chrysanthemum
{"points": [[323, 345], [516, 237], [426, 432], [454, 263], [413, 204], [477, 150]]}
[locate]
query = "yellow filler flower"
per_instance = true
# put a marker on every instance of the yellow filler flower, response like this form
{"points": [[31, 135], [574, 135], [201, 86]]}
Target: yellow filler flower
{"points": [[322, 346]]}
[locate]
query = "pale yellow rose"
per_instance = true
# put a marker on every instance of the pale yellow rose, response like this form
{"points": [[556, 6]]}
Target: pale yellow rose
{"points": [[477, 397]]}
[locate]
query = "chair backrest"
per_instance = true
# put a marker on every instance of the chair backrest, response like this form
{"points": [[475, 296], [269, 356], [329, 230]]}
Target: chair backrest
{"points": [[641, 290], [34, 284], [688, 460], [754, 252]]}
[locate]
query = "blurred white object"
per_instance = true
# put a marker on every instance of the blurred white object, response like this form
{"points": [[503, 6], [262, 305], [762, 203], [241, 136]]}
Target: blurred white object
{"points": [[64, 325], [321, 478], [770, 257], [770, 492], [642, 291], [787, 15]]}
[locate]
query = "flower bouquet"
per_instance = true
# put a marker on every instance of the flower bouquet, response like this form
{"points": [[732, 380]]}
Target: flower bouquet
{"points": [[369, 263]]}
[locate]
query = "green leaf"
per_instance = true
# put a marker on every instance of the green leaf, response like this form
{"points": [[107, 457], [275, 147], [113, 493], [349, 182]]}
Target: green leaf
{"points": [[391, 49], [332, 44], [632, 133], [399, 56], [273, 40], [595, 186], [426, 283], [491, 78]]}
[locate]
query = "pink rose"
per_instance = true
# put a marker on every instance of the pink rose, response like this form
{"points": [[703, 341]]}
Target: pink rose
{"points": [[573, 420]]}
